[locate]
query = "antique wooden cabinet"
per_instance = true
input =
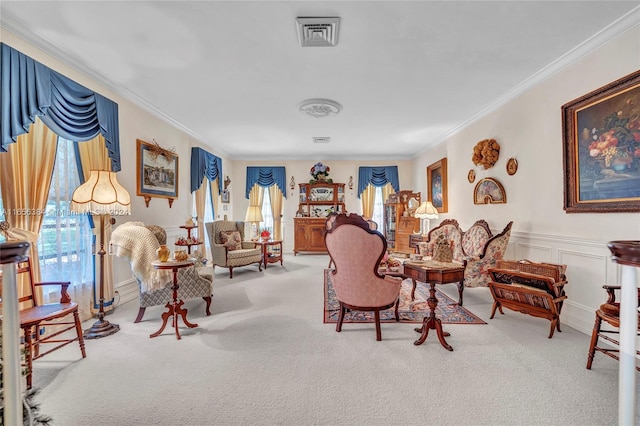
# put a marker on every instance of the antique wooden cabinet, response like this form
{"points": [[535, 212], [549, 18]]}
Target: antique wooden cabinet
{"points": [[399, 222], [316, 202]]}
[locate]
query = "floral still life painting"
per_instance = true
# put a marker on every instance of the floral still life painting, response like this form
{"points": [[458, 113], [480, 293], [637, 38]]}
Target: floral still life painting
{"points": [[602, 149]]}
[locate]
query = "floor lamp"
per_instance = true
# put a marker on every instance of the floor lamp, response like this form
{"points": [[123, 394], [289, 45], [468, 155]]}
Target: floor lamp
{"points": [[254, 215], [425, 212], [101, 195]]}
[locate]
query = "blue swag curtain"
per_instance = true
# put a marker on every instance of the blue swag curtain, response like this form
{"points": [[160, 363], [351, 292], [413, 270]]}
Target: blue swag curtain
{"points": [[29, 89], [377, 176], [204, 164], [265, 177]]}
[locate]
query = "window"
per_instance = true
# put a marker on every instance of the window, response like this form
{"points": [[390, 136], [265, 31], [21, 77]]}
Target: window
{"points": [[267, 215], [66, 239], [378, 208], [208, 211]]}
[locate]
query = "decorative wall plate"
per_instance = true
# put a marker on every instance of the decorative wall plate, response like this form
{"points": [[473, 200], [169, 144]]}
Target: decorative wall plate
{"points": [[471, 176], [512, 166]]}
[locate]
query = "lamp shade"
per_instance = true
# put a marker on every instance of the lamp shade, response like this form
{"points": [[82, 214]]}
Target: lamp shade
{"points": [[101, 194], [254, 214], [426, 210]]}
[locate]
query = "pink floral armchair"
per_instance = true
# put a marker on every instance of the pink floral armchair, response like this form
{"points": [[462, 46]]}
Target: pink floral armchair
{"points": [[356, 250]]}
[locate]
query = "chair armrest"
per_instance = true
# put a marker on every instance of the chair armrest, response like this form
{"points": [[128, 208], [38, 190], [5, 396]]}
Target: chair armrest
{"points": [[64, 285], [248, 245]]}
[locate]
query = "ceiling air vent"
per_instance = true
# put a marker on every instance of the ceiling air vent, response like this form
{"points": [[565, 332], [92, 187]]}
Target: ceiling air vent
{"points": [[321, 139], [318, 32]]}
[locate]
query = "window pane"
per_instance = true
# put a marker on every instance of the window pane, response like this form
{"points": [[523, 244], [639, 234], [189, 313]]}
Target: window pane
{"points": [[267, 216], [65, 240], [378, 208]]}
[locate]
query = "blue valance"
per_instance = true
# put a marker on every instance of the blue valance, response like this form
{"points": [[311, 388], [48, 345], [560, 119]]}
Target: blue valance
{"points": [[204, 164], [265, 177], [29, 89], [377, 176]]}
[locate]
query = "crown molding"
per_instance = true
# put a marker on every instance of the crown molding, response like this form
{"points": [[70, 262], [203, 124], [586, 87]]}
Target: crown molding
{"points": [[615, 29]]}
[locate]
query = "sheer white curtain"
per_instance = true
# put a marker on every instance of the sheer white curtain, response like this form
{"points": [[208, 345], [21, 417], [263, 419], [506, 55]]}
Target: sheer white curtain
{"points": [[65, 242]]}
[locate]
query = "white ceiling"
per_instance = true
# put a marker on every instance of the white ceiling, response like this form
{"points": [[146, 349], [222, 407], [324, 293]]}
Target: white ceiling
{"points": [[232, 73]]}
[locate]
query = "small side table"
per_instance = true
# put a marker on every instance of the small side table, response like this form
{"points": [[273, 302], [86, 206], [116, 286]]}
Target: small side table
{"points": [[265, 251], [174, 309]]}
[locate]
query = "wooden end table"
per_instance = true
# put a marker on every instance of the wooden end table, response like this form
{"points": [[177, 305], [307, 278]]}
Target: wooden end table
{"points": [[433, 273], [174, 309], [265, 251]]}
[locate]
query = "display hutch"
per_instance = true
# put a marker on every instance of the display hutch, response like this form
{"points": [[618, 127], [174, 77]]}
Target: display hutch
{"points": [[399, 223], [316, 202]]}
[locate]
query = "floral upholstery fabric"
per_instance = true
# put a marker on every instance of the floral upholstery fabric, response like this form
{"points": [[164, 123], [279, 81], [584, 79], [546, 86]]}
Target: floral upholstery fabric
{"points": [[476, 271], [474, 240], [480, 252], [231, 240]]}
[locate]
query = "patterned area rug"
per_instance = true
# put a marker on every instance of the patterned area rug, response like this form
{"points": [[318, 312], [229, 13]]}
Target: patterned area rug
{"points": [[412, 311]]}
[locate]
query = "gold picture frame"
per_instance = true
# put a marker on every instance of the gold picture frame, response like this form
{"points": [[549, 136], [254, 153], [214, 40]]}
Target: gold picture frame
{"points": [[157, 172], [601, 149], [489, 191], [437, 185]]}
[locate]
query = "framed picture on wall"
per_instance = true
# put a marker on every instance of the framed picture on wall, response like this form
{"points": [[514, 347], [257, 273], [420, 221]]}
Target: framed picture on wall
{"points": [[437, 185], [601, 149], [224, 196], [157, 172]]}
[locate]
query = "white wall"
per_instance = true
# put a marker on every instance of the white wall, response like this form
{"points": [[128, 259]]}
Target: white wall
{"points": [[529, 128]]}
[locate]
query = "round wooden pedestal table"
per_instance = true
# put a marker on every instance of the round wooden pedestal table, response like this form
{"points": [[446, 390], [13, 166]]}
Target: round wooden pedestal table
{"points": [[174, 308]]}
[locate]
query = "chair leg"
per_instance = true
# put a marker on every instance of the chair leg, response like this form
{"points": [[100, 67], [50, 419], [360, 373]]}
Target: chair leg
{"points": [[140, 314], [28, 355], [340, 318], [397, 309], [594, 341], [460, 290], [76, 318], [230, 272], [208, 307], [376, 314]]}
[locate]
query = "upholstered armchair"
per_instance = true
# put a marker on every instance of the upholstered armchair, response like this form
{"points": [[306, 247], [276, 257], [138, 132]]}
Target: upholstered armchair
{"points": [[228, 247], [356, 251], [138, 244], [476, 268]]}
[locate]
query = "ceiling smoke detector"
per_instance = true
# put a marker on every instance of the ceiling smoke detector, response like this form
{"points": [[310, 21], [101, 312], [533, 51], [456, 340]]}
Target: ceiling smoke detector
{"points": [[320, 108], [321, 139], [318, 32]]}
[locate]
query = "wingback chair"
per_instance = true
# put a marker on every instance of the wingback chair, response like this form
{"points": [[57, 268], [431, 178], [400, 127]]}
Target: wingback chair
{"points": [[138, 244], [228, 247], [356, 251]]}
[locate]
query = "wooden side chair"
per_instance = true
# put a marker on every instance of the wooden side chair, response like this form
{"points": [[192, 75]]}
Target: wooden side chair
{"points": [[37, 315], [608, 312]]}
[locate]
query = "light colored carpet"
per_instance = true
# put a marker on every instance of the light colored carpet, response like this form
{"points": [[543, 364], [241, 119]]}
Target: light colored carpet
{"points": [[265, 357]]}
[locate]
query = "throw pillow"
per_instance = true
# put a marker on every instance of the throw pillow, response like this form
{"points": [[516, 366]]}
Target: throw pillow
{"points": [[231, 240]]}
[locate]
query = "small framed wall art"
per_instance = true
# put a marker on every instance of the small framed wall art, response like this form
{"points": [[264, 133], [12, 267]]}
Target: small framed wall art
{"points": [[489, 191], [437, 185], [157, 172]]}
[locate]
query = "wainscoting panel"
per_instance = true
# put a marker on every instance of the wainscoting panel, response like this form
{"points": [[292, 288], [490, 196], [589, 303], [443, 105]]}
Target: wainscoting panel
{"points": [[589, 267]]}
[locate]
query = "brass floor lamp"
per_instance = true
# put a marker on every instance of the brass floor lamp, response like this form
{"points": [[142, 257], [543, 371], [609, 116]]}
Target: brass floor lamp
{"points": [[101, 195]]}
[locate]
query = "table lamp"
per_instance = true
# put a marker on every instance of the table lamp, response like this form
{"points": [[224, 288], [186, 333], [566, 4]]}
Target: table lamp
{"points": [[101, 195], [425, 212], [254, 215]]}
